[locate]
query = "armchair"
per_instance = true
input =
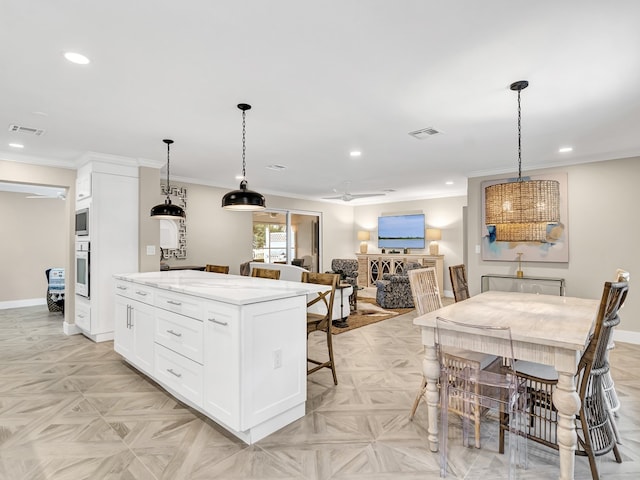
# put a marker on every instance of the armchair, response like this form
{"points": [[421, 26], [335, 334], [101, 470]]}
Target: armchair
{"points": [[394, 290], [347, 269]]}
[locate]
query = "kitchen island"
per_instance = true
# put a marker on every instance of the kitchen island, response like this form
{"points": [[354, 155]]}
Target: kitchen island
{"points": [[231, 347]]}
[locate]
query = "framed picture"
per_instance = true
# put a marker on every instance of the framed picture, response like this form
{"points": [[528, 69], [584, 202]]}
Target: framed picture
{"points": [[555, 249], [178, 197]]}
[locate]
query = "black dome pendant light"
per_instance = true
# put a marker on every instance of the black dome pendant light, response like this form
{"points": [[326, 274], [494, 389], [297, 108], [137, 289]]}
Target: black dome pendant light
{"points": [[243, 199], [167, 210]]}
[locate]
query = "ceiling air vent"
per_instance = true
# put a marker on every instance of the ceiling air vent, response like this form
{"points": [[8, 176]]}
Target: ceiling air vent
{"points": [[28, 130], [424, 133]]}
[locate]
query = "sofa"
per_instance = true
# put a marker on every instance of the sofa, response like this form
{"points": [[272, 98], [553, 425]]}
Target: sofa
{"points": [[293, 273], [394, 290]]}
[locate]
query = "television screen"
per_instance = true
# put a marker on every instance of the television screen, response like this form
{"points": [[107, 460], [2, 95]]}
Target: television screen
{"points": [[401, 231]]}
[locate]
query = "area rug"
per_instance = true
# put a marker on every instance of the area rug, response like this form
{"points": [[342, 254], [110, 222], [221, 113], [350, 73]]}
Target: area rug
{"points": [[368, 312]]}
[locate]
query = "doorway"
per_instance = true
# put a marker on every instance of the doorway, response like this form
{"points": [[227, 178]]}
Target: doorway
{"points": [[287, 236]]}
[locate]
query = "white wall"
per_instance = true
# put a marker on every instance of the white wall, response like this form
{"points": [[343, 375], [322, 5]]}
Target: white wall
{"points": [[443, 213], [61, 177], [33, 238], [603, 231], [223, 237]]}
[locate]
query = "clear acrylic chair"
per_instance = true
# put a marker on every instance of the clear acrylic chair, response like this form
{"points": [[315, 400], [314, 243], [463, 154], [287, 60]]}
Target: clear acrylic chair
{"points": [[467, 386], [426, 298]]}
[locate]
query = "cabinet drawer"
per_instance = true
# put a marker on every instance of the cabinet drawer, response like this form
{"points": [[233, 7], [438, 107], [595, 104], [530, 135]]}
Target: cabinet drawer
{"points": [[135, 291], [180, 334], [83, 316], [178, 373], [178, 303]]}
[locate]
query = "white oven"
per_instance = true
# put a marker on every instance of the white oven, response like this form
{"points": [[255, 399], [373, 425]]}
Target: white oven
{"points": [[82, 268]]}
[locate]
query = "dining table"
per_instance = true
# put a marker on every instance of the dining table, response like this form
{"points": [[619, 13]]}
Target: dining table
{"points": [[547, 329]]}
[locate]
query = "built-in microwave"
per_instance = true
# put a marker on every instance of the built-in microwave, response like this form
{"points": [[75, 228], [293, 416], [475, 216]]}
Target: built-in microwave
{"points": [[82, 222]]}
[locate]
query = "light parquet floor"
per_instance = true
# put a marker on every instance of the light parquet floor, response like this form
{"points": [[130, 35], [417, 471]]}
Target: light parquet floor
{"points": [[71, 409]]}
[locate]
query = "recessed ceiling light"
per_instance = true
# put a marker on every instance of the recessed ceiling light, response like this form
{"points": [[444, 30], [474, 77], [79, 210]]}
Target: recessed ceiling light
{"points": [[76, 58], [355, 153], [448, 183], [16, 145], [565, 149]]}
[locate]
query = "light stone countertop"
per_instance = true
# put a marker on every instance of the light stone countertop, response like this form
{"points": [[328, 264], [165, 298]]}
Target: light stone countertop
{"points": [[233, 289]]}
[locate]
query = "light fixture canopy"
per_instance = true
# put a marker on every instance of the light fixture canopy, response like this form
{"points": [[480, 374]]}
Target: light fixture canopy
{"points": [[167, 210], [520, 211], [243, 199]]}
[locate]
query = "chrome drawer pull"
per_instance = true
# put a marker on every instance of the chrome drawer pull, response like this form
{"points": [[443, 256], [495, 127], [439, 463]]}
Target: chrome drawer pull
{"points": [[144, 294], [224, 324], [170, 370], [172, 302], [174, 333], [120, 287]]}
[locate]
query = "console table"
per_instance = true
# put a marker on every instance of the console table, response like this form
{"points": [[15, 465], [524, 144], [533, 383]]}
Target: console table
{"points": [[526, 284], [372, 266]]}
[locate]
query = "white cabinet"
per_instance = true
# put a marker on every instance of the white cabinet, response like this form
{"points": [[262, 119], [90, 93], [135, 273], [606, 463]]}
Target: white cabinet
{"points": [[222, 364], [244, 366], [83, 314], [181, 334], [110, 193], [134, 325], [179, 374], [83, 186]]}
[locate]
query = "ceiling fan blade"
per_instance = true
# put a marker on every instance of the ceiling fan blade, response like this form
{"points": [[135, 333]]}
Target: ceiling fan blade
{"points": [[364, 195]]}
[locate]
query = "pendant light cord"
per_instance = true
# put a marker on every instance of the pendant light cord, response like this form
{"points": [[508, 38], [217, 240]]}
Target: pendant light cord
{"points": [[168, 189], [244, 173], [519, 141]]}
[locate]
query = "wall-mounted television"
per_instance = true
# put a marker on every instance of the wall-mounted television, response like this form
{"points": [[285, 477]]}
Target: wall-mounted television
{"points": [[401, 231]]}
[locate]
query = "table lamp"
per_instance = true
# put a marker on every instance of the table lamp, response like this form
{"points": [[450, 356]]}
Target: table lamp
{"points": [[434, 234], [364, 237]]}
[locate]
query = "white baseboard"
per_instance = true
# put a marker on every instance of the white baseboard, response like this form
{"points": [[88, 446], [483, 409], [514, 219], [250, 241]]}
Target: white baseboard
{"points": [[70, 328], [28, 302], [626, 336]]}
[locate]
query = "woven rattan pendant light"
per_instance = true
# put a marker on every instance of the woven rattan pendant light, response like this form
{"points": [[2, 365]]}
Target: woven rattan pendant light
{"points": [[243, 199], [520, 211]]}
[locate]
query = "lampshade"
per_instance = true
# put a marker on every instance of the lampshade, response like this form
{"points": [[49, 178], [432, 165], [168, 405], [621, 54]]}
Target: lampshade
{"points": [[243, 199], [364, 236], [520, 211], [167, 210], [434, 234]]}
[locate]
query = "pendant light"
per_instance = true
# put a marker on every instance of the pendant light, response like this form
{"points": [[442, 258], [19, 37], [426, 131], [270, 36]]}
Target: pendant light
{"points": [[167, 210], [243, 199], [520, 211]]}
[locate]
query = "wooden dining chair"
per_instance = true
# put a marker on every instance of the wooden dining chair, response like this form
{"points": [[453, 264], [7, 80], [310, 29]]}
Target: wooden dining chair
{"points": [[458, 275], [610, 394], [594, 428], [426, 298], [321, 322], [217, 268], [266, 273]]}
